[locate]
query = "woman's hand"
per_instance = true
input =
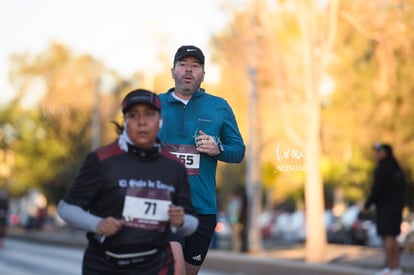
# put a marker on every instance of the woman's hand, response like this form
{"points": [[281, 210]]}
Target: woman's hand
{"points": [[109, 226], [176, 214]]}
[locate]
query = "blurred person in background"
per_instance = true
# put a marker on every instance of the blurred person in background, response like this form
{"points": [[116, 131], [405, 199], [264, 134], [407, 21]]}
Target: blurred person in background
{"points": [[237, 216], [4, 209], [129, 196], [387, 194]]}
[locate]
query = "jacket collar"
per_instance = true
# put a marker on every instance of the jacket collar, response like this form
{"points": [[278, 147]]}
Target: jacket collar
{"points": [[196, 94]]}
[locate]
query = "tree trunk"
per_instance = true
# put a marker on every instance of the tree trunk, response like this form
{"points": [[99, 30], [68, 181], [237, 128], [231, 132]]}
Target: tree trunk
{"points": [[314, 203], [254, 179]]}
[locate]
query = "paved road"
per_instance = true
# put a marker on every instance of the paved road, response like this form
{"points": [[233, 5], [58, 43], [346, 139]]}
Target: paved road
{"points": [[340, 259], [30, 258], [20, 257]]}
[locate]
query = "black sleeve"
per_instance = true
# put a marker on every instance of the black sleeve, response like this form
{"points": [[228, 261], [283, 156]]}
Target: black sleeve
{"points": [[381, 175], [183, 194], [87, 183]]}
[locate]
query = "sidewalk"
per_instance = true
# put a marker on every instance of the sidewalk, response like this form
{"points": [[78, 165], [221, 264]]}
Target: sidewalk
{"points": [[366, 258], [370, 258]]}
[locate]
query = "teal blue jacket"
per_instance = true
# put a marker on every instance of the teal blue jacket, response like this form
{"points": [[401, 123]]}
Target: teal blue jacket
{"points": [[214, 116]]}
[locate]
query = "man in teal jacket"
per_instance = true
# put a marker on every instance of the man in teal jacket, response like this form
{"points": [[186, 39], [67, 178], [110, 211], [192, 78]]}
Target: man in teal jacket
{"points": [[200, 129]]}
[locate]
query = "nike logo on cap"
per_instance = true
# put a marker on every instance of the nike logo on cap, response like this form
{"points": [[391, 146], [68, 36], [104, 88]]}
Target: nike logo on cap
{"points": [[191, 50]]}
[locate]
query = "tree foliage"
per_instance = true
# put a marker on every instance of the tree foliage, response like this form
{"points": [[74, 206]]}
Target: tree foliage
{"points": [[54, 132], [373, 86], [370, 64]]}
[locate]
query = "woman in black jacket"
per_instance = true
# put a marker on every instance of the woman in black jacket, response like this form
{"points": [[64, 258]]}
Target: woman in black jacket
{"points": [[130, 195], [387, 195]]}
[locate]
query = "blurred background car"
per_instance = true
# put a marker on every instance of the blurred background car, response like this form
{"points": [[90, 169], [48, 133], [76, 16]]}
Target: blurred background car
{"points": [[339, 230], [364, 230], [286, 227], [289, 227], [354, 228]]}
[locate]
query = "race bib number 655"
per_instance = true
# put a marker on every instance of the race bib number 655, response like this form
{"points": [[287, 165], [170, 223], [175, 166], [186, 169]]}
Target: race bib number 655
{"points": [[188, 155]]}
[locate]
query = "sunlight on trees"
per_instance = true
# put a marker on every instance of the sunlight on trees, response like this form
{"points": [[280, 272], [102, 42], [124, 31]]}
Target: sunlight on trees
{"points": [[312, 145]]}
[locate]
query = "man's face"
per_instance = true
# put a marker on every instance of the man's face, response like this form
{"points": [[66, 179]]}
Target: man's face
{"points": [[142, 125], [188, 74]]}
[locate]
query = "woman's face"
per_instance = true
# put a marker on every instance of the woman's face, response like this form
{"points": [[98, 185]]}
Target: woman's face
{"points": [[379, 155], [142, 124]]}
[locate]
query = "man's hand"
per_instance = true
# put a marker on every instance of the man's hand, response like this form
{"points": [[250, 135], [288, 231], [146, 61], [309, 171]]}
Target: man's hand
{"points": [[207, 144]]}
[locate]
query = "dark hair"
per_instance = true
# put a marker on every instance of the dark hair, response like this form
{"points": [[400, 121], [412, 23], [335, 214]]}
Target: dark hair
{"points": [[118, 127]]}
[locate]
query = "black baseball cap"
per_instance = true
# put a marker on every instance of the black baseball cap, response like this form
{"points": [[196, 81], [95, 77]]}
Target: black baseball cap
{"points": [[141, 96], [189, 50]]}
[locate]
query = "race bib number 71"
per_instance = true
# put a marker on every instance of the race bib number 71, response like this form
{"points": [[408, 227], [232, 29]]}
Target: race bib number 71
{"points": [[146, 208]]}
